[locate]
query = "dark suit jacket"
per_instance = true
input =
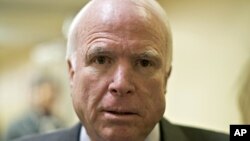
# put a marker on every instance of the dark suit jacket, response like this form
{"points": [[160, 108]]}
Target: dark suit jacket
{"points": [[168, 131]]}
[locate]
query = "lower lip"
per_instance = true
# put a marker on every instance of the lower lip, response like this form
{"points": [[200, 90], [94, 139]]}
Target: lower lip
{"points": [[120, 117]]}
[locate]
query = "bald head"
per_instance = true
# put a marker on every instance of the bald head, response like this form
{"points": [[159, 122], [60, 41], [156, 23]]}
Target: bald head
{"points": [[142, 14]]}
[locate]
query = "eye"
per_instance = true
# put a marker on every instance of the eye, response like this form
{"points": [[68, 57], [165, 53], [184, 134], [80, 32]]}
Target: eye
{"points": [[101, 60], [145, 63]]}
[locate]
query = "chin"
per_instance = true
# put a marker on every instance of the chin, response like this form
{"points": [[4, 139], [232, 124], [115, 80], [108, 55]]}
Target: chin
{"points": [[121, 134]]}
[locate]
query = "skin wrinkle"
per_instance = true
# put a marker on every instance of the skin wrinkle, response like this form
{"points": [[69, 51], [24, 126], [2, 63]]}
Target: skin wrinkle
{"points": [[92, 39], [147, 19], [105, 35], [148, 6], [148, 54], [129, 37]]}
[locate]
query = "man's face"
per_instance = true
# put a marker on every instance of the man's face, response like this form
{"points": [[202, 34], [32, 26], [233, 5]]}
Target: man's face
{"points": [[118, 79]]}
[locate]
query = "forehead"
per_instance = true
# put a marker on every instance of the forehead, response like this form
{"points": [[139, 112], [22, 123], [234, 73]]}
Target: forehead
{"points": [[120, 17]]}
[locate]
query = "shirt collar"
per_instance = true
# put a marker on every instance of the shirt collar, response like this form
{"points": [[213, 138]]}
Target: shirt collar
{"points": [[153, 136]]}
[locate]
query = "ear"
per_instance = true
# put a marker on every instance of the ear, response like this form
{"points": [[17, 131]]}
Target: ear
{"points": [[167, 75], [71, 71]]}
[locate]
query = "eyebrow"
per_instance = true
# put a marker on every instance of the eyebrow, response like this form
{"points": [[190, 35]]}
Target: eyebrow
{"points": [[97, 50], [151, 55], [148, 54]]}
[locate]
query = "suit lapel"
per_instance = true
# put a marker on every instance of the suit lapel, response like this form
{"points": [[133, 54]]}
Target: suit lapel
{"points": [[72, 134], [170, 132]]}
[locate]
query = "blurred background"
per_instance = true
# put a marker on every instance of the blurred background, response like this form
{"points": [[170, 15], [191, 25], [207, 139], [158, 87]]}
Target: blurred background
{"points": [[211, 50]]}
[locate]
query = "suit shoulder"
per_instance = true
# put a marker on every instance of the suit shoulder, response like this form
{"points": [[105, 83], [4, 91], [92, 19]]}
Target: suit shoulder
{"points": [[53, 136], [174, 132], [71, 134], [197, 134]]}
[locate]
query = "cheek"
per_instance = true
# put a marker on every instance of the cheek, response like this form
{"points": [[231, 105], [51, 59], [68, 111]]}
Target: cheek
{"points": [[156, 94], [155, 97], [87, 92]]}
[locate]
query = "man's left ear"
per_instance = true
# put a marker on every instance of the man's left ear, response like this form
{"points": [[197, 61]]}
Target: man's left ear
{"points": [[167, 75], [169, 71]]}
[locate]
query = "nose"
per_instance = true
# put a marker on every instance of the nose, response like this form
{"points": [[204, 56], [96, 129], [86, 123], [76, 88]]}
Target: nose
{"points": [[122, 82]]}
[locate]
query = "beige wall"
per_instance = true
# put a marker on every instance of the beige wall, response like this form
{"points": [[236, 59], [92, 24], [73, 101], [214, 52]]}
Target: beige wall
{"points": [[211, 44]]}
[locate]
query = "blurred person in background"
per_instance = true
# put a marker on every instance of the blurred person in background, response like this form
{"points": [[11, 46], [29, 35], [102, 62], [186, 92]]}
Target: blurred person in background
{"points": [[40, 118], [1, 135], [244, 93], [119, 61]]}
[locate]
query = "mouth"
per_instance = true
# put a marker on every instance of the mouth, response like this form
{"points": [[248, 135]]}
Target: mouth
{"points": [[121, 113], [118, 116]]}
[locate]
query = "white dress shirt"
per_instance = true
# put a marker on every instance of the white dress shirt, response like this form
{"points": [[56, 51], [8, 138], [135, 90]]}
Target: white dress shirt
{"points": [[153, 136]]}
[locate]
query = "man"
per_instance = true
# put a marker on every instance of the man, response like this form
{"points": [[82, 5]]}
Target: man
{"points": [[41, 118], [119, 57]]}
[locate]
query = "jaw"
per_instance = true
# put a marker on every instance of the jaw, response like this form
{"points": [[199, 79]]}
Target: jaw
{"points": [[119, 133], [117, 128]]}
